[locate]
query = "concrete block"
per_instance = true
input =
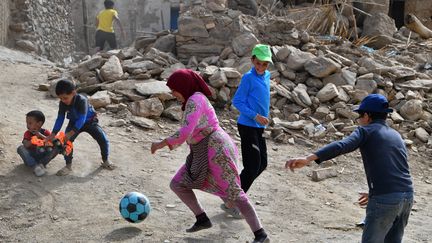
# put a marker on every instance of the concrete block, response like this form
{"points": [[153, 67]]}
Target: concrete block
{"points": [[323, 173]]}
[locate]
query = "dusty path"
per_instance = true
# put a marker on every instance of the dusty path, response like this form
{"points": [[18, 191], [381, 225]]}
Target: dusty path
{"points": [[83, 207]]}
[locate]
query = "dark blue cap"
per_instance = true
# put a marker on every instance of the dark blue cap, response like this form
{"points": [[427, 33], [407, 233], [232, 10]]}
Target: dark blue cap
{"points": [[374, 103]]}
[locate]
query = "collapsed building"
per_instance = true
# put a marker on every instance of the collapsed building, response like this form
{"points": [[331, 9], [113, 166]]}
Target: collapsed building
{"points": [[316, 81], [56, 29], [327, 57]]}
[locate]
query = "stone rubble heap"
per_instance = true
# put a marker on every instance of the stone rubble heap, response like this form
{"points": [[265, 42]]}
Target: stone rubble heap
{"points": [[316, 81]]}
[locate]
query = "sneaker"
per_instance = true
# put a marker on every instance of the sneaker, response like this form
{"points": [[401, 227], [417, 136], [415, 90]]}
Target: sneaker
{"points": [[199, 226], [234, 212], [39, 170], [64, 171], [107, 164], [265, 240], [361, 224]]}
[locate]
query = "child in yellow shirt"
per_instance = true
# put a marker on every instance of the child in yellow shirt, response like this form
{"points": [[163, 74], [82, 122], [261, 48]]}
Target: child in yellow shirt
{"points": [[105, 28]]}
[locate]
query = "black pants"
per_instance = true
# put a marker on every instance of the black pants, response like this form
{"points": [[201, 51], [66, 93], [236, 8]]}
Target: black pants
{"points": [[254, 153], [102, 37], [97, 134]]}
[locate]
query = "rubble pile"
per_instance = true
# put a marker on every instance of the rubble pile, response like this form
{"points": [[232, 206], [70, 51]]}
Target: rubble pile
{"points": [[317, 80]]}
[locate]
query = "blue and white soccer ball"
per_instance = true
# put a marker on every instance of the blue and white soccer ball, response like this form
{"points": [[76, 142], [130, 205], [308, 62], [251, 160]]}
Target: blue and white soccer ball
{"points": [[134, 207]]}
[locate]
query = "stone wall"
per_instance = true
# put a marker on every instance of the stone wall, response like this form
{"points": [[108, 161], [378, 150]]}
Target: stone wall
{"points": [[43, 26], [209, 30], [4, 21], [422, 9]]}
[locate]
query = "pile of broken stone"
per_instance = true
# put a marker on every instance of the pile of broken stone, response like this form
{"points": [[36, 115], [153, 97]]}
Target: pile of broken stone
{"points": [[316, 81]]}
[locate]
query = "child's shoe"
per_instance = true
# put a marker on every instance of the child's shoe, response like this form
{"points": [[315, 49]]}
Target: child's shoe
{"points": [[361, 224], [265, 240], [107, 164], [261, 236], [39, 170], [64, 171], [202, 222], [199, 226], [234, 212]]}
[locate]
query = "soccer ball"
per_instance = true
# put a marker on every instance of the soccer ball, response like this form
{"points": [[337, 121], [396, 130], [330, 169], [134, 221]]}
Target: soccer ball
{"points": [[134, 207]]}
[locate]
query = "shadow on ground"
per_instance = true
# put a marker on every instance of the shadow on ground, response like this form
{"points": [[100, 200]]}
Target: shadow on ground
{"points": [[125, 233]]}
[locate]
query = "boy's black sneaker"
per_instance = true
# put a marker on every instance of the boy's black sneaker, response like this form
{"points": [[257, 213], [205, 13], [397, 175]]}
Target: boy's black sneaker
{"points": [[261, 236], [199, 226], [202, 222], [265, 240]]}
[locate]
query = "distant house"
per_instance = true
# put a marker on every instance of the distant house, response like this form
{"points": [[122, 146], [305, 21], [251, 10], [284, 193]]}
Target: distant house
{"points": [[138, 17]]}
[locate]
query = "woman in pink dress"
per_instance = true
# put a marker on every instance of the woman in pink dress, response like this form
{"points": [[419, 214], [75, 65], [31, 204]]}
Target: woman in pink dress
{"points": [[211, 164]]}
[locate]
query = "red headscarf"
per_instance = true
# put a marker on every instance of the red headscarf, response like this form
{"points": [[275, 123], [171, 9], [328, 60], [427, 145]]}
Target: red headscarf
{"points": [[187, 82]]}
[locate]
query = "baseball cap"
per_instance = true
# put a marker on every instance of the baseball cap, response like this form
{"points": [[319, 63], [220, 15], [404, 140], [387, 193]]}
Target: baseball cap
{"points": [[262, 53], [374, 103]]}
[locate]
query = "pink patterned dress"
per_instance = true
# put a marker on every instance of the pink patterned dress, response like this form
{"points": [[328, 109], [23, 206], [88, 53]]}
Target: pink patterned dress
{"points": [[220, 174]]}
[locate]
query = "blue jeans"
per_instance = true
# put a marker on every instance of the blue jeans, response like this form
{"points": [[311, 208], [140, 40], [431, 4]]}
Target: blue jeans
{"points": [[92, 128], [386, 217], [32, 157]]}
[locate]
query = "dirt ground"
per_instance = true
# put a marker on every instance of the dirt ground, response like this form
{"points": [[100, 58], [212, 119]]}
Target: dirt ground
{"points": [[83, 207]]}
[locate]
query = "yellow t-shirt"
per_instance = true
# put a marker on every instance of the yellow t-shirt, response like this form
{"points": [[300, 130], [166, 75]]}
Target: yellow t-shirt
{"points": [[106, 18]]}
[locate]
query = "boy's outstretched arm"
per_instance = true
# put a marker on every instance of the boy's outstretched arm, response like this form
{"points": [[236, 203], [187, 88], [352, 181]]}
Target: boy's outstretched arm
{"points": [[297, 163], [58, 123]]}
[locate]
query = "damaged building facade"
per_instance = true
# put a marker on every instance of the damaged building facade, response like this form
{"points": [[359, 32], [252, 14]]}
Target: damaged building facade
{"points": [[138, 18], [57, 28]]}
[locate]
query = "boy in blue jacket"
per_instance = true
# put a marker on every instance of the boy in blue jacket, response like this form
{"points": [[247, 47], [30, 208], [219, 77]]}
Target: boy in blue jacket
{"points": [[252, 99], [82, 118], [385, 161]]}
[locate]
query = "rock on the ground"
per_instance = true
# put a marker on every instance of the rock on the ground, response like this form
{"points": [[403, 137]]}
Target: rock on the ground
{"points": [[143, 122], [152, 87], [422, 134], [100, 99], [327, 93], [112, 70], [151, 107], [321, 67], [243, 44], [173, 112], [412, 110]]}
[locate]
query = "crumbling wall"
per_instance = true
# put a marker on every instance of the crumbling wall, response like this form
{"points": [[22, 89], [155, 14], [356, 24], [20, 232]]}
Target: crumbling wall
{"points": [[138, 17], [4, 21], [209, 30], [44, 27], [422, 9]]}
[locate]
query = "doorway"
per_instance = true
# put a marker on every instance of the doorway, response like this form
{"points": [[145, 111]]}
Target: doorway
{"points": [[397, 12]]}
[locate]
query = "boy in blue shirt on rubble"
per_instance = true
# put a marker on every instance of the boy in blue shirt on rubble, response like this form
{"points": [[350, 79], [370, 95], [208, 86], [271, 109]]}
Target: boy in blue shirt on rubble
{"points": [[82, 118]]}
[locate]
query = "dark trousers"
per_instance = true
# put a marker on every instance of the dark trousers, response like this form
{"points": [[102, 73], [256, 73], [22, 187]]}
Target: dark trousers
{"points": [[97, 134], [102, 37], [254, 153]]}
